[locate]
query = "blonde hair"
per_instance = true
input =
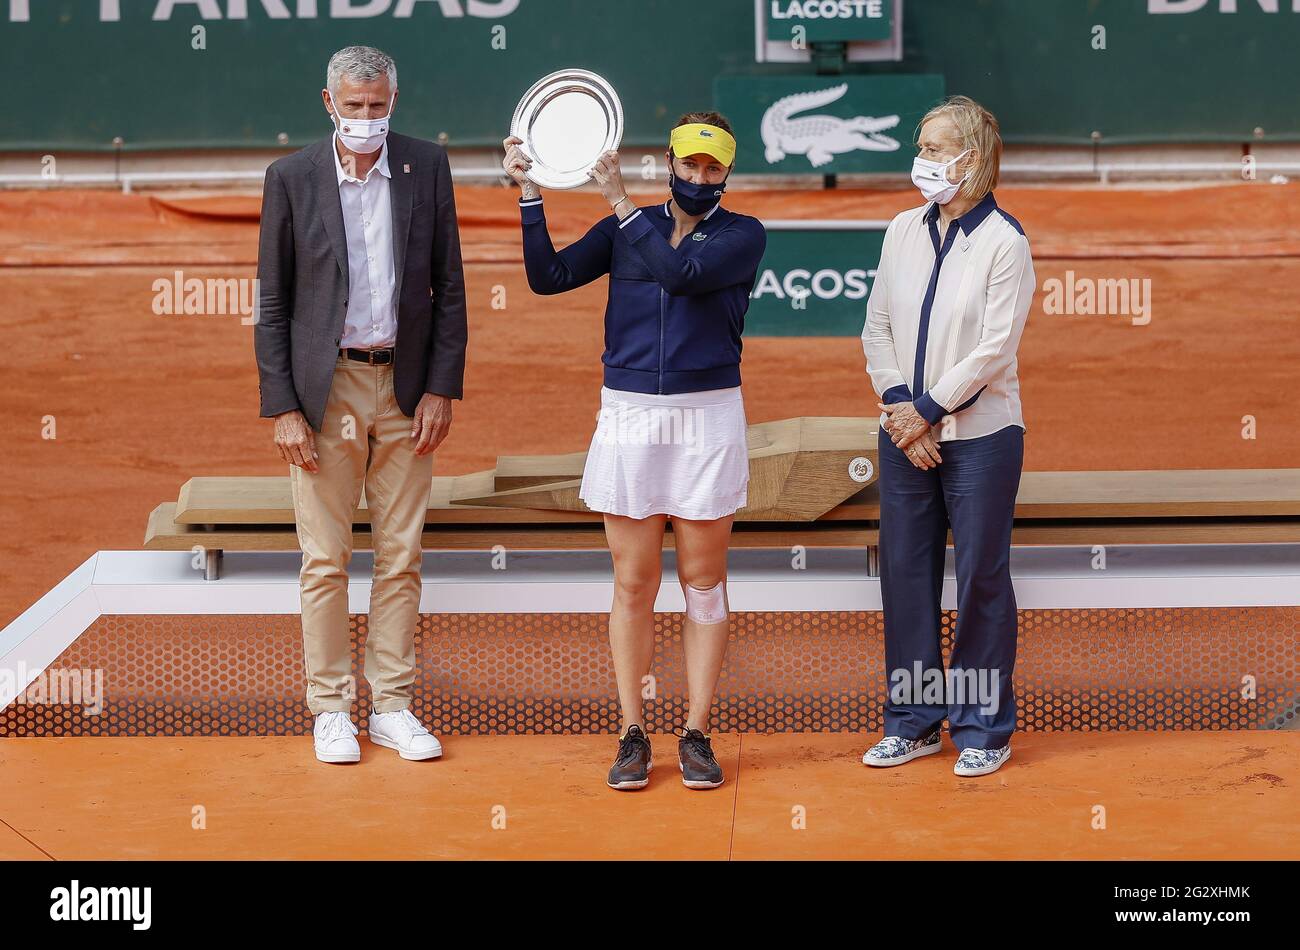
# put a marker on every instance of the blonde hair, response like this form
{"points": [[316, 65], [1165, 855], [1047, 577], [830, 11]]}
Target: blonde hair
{"points": [[978, 129]]}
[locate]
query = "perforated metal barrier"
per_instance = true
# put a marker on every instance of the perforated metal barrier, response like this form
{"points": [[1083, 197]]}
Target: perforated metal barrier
{"points": [[1185, 668]]}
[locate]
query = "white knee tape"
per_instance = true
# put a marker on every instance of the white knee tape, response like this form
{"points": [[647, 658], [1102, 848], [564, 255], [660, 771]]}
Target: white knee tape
{"points": [[707, 606]]}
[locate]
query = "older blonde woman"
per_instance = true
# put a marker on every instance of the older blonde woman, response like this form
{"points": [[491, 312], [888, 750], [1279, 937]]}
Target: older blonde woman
{"points": [[944, 319]]}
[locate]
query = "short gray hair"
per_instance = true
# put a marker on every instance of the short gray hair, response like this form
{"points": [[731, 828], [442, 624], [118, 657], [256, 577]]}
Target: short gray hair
{"points": [[361, 64]]}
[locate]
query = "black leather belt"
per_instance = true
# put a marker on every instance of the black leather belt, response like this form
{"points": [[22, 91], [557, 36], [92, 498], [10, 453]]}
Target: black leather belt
{"points": [[373, 357]]}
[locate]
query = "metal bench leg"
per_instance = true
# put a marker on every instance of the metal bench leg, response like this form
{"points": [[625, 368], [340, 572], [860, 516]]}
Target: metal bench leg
{"points": [[212, 564], [873, 560]]}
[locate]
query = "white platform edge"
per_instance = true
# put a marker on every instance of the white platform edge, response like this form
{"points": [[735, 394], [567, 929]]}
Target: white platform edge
{"points": [[111, 583]]}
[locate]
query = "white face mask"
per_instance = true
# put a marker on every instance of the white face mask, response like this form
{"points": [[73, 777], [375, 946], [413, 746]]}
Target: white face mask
{"points": [[362, 136], [932, 179]]}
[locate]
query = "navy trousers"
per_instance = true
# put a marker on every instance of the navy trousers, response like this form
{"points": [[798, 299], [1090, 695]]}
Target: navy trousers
{"points": [[973, 492]]}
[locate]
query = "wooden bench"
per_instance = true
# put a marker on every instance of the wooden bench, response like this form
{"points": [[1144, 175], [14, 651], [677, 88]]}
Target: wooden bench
{"points": [[1234, 506]]}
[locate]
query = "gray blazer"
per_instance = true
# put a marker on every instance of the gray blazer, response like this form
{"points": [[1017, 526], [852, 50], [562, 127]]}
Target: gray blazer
{"points": [[302, 266]]}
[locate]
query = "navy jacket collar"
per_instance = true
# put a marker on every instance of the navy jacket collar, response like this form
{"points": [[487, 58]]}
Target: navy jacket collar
{"points": [[972, 219]]}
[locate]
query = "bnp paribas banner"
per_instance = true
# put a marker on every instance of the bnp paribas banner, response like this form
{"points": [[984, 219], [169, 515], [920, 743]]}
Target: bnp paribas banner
{"points": [[248, 73], [825, 124], [817, 21], [815, 278]]}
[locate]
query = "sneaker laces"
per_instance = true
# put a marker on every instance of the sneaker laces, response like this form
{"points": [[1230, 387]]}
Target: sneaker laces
{"points": [[337, 726], [696, 741], [628, 745], [409, 724]]}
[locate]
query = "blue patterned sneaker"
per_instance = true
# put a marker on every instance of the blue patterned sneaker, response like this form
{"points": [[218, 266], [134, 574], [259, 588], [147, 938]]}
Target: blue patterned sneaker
{"points": [[895, 750], [981, 761]]}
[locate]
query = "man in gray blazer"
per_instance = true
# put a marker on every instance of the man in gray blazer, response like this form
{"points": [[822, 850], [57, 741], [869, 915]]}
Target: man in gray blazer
{"points": [[360, 341]]}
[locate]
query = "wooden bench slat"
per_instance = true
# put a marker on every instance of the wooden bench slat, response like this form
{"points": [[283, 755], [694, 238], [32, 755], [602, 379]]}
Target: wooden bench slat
{"points": [[268, 500], [254, 500], [799, 470], [1174, 493], [165, 534]]}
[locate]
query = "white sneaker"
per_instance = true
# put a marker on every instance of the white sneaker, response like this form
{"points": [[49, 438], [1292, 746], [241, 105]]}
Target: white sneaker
{"points": [[403, 732], [335, 738], [981, 761]]}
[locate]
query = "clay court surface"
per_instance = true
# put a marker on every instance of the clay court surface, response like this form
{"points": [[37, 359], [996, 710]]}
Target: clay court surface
{"points": [[1171, 795], [143, 402]]}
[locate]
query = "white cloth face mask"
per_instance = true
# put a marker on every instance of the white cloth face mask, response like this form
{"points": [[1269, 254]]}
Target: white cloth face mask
{"points": [[932, 179], [362, 136]]}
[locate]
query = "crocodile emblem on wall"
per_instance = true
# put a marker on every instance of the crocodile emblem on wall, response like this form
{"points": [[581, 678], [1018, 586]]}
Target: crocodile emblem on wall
{"points": [[821, 137]]}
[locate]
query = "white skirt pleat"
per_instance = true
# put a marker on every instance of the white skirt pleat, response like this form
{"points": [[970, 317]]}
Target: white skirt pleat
{"points": [[683, 455]]}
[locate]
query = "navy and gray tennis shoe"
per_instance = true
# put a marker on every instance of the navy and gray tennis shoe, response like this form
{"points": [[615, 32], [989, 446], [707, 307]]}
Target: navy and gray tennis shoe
{"points": [[981, 761], [695, 758], [632, 766], [895, 750]]}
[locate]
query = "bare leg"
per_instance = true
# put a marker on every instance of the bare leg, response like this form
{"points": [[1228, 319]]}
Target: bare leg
{"points": [[702, 564], [637, 547]]}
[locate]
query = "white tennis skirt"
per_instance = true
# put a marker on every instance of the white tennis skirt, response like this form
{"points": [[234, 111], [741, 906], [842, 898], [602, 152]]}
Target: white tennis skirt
{"points": [[683, 455]]}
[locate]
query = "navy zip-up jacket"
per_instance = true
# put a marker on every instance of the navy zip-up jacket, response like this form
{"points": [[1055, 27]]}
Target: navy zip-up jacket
{"points": [[675, 315]]}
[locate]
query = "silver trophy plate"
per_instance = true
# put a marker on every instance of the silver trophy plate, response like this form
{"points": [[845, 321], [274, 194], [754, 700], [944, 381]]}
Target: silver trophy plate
{"points": [[567, 120]]}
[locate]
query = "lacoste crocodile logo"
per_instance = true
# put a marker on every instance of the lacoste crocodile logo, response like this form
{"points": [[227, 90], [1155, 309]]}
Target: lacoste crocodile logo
{"points": [[821, 137]]}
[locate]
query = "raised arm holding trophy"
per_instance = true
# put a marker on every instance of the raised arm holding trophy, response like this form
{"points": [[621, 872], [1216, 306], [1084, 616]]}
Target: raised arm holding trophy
{"points": [[670, 439]]}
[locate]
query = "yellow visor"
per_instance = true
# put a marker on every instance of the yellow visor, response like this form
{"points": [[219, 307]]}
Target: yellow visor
{"points": [[698, 137]]}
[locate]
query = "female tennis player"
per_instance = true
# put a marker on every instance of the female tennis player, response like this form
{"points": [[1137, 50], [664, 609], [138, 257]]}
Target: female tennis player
{"points": [[670, 438]]}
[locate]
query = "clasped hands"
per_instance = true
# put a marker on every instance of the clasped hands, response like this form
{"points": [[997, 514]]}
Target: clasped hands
{"points": [[911, 433]]}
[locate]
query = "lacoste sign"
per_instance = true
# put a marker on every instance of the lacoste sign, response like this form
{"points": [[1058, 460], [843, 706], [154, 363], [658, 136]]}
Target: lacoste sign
{"points": [[825, 124], [829, 20], [814, 278]]}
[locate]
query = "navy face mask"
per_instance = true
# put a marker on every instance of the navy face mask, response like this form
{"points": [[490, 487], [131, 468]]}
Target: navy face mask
{"points": [[692, 198]]}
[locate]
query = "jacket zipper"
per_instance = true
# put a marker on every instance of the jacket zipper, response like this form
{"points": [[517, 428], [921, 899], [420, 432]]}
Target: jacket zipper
{"points": [[662, 295], [661, 341]]}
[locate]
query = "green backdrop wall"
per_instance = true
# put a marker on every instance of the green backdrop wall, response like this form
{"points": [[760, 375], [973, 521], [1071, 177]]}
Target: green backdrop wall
{"points": [[1202, 75]]}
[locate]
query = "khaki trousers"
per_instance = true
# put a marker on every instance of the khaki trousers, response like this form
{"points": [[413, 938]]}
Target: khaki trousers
{"points": [[365, 440]]}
